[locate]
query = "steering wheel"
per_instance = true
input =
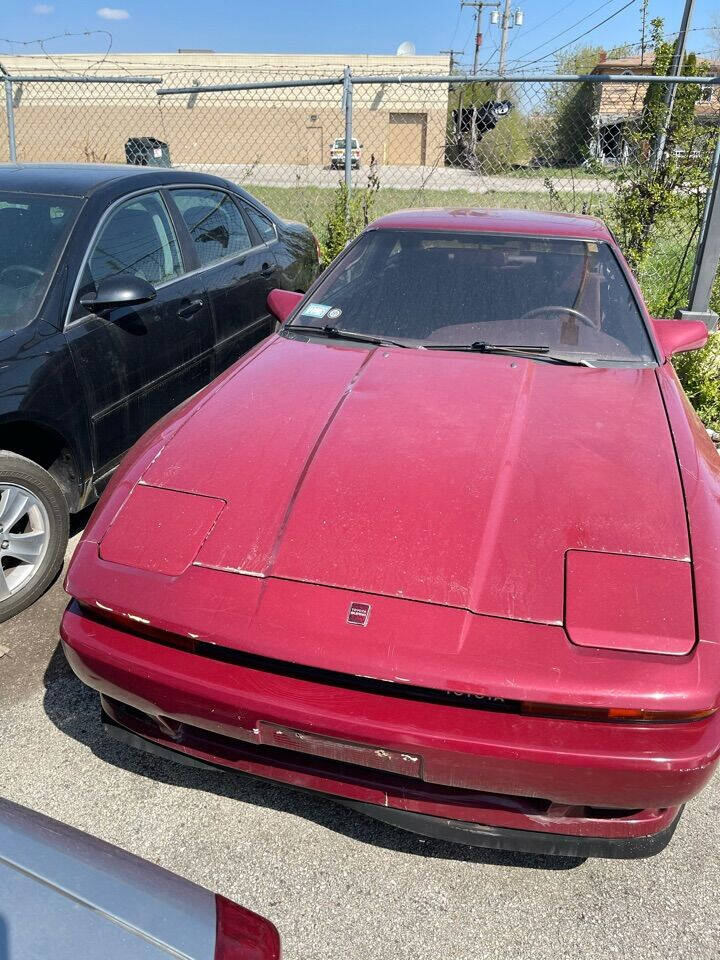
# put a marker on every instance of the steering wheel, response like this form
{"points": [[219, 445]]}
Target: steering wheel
{"points": [[539, 311], [21, 268]]}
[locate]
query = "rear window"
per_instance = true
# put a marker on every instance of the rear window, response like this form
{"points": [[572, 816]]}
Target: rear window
{"points": [[215, 224], [265, 227], [34, 230]]}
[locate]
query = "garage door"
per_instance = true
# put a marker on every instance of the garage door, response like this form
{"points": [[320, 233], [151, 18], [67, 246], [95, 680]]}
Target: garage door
{"points": [[407, 140]]}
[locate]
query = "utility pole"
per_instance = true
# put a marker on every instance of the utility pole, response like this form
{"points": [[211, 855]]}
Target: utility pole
{"points": [[508, 20], [504, 28], [451, 54], [453, 61], [673, 71], [478, 6]]}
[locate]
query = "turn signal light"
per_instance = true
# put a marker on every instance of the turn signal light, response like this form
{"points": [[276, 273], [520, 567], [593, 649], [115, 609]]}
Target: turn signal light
{"points": [[611, 713], [243, 935]]}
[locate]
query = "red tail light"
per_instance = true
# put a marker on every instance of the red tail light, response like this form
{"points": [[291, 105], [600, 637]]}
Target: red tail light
{"points": [[243, 935]]}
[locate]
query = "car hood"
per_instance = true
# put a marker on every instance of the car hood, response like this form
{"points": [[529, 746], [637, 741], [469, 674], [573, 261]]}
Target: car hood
{"points": [[453, 479]]}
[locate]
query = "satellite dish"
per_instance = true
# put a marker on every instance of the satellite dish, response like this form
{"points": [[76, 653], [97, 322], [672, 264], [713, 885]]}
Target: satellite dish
{"points": [[406, 49]]}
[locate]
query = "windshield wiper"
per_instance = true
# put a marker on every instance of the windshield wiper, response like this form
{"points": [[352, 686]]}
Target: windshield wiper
{"points": [[509, 349], [336, 334]]}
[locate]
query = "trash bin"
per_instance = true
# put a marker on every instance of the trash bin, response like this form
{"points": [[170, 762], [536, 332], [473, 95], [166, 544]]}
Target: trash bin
{"points": [[147, 152]]}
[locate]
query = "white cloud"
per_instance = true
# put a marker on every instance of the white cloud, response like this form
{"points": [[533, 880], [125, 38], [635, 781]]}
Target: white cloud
{"points": [[113, 13], [43, 8]]}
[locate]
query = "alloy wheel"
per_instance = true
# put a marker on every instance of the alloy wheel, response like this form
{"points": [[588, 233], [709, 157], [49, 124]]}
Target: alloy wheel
{"points": [[24, 537]]}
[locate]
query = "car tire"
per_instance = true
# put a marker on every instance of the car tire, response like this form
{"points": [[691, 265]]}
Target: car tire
{"points": [[34, 529]]}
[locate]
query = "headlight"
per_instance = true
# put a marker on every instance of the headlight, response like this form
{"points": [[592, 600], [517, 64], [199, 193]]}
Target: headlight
{"points": [[620, 602]]}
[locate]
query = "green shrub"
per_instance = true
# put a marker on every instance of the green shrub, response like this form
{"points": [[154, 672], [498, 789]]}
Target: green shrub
{"points": [[699, 373], [508, 145], [346, 217]]}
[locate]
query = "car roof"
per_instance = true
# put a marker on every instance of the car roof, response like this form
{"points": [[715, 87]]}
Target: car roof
{"points": [[83, 179], [489, 220]]}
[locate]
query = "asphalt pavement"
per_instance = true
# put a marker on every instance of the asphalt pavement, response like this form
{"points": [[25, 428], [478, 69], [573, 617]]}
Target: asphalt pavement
{"points": [[435, 177], [337, 884]]}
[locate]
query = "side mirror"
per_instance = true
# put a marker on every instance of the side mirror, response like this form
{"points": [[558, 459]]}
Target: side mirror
{"points": [[123, 290], [677, 336], [281, 303]]}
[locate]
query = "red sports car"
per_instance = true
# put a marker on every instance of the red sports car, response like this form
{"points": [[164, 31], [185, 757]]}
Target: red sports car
{"points": [[444, 547]]}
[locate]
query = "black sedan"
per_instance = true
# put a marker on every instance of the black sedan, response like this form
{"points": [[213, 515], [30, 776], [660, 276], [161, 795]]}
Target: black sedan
{"points": [[123, 291]]}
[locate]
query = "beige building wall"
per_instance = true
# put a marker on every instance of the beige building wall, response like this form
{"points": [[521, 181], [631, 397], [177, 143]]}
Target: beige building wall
{"points": [[68, 122]]}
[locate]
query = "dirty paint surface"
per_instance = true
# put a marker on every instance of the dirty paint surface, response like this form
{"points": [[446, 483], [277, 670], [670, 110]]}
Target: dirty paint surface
{"points": [[444, 493]]}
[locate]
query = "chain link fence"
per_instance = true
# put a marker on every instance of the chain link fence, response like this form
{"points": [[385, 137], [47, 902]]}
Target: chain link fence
{"points": [[581, 145], [77, 119]]}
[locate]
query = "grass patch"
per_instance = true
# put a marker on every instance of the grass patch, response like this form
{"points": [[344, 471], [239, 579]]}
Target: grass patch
{"points": [[312, 204], [664, 275]]}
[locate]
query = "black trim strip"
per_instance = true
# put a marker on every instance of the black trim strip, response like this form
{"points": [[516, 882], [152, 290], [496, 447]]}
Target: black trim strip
{"points": [[520, 841], [298, 671], [369, 685]]}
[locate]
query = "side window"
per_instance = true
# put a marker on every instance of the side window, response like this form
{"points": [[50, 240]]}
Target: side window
{"points": [[138, 239], [215, 224], [264, 226]]}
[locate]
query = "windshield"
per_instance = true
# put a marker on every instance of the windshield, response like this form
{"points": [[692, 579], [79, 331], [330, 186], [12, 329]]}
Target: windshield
{"points": [[340, 144], [34, 228], [462, 288]]}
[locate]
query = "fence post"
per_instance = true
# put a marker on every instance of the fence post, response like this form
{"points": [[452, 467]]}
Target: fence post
{"points": [[10, 120], [707, 256], [348, 106]]}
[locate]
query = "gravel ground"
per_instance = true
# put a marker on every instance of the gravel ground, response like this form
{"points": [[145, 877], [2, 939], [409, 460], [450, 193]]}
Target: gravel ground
{"points": [[336, 884]]}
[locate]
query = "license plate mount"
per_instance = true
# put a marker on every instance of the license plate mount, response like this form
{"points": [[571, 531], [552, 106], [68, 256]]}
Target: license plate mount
{"points": [[345, 751]]}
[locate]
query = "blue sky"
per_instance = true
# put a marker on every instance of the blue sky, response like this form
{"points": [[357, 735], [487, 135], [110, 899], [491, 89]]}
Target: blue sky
{"points": [[328, 26]]}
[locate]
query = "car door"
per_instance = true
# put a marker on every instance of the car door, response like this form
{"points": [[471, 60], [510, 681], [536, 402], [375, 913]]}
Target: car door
{"points": [[136, 363], [238, 267]]}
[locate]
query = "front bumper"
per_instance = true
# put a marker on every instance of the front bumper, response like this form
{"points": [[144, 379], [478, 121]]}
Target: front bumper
{"points": [[476, 769], [438, 828]]}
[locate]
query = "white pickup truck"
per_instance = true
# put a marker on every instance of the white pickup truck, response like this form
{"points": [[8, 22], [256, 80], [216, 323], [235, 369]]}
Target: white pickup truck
{"points": [[337, 153]]}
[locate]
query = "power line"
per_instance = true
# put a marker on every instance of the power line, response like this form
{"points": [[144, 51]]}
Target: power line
{"points": [[567, 29], [457, 26], [551, 17], [637, 45], [581, 36]]}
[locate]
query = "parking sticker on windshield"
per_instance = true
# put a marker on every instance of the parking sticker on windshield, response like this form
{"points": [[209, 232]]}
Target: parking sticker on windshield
{"points": [[317, 310], [334, 313]]}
